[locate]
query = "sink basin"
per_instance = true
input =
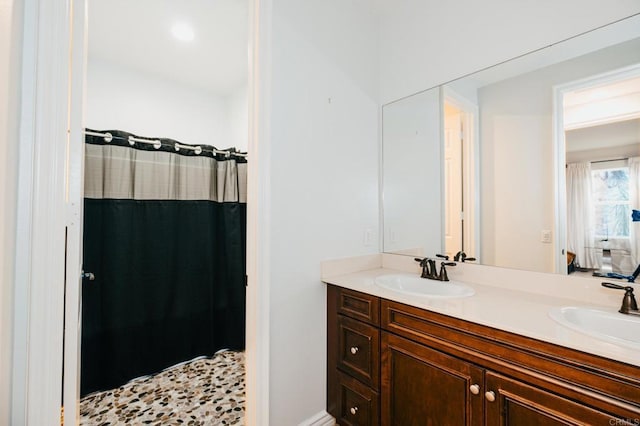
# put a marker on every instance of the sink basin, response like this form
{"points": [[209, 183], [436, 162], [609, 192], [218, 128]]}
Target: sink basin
{"points": [[606, 325], [417, 286]]}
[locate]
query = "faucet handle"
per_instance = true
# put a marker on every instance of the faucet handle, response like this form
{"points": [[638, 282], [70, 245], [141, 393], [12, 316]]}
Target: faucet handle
{"points": [[443, 271], [629, 302], [443, 256]]}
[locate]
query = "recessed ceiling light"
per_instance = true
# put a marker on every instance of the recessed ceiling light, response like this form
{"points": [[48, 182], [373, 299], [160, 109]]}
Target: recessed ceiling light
{"points": [[182, 31]]}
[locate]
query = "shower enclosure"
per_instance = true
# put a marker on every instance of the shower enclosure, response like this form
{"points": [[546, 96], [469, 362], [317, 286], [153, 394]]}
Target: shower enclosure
{"points": [[164, 236]]}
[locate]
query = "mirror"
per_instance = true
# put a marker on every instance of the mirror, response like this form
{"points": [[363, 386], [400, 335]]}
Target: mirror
{"points": [[478, 164]]}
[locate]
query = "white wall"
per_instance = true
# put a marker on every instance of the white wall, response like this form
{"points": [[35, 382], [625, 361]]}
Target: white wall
{"points": [[426, 43], [148, 105], [238, 119], [10, 38], [324, 181]]}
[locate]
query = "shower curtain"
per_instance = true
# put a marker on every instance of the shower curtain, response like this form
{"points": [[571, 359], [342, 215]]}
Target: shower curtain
{"points": [[164, 235]]}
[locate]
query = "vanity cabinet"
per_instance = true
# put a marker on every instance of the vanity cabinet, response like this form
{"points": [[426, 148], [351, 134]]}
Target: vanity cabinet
{"points": [[440, 370], [353, 357]]}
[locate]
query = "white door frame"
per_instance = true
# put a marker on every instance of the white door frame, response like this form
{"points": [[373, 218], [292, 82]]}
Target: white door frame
{"points": [[41, 214], [50, 214], [559, 150]]}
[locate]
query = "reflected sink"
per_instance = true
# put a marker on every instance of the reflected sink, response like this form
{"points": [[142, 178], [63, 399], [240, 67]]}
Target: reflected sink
{"points": [[416, 286], [606, 325]]}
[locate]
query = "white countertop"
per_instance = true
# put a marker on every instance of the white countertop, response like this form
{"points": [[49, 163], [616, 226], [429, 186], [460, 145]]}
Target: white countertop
{"points": [[512, 310]]}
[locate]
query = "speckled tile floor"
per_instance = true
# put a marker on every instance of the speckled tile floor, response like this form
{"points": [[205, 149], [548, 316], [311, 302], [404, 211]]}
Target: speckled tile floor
{"points": [[206, 391]]}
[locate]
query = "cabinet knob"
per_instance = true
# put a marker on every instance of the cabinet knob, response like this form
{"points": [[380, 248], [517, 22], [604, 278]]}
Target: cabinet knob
{"points": [[353, 410], [475, 389], [354, 350], [490, 396]]}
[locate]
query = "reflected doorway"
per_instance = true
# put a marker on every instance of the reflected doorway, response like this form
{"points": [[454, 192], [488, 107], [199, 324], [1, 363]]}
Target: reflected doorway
{"points": [[460, 194], [601, 134]]}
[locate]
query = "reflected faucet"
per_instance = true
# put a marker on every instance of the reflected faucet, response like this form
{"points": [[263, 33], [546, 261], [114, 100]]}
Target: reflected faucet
{"points": [[462, 256], [629, 303]]}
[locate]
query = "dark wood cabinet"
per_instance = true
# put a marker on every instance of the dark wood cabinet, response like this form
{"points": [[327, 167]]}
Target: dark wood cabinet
{"points": [[357, 405], [353, 357], [514, 403], [421, 386], [393, 364]]}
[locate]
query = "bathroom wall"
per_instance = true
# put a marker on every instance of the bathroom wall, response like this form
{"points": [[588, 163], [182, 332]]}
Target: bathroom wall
{"points": [[324, 181], [324, 143], [238, 119], [517, 185], [425, 43], [148, 105], [10, 13]]}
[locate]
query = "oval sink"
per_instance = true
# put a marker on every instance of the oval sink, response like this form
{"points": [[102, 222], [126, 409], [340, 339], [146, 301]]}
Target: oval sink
{"points": [[417, 286], [611, 325]]}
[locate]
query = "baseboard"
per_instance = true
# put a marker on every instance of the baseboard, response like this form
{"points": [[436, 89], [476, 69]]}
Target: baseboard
{"points": [[321, 419]]}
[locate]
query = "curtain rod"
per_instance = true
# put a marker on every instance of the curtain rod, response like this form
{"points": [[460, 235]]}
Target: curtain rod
{"points": [[157, 144], [606, 161]]}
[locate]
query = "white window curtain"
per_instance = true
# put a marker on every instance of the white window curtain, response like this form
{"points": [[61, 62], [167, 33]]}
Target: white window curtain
{"points": [[580, 215], [634, 198]]}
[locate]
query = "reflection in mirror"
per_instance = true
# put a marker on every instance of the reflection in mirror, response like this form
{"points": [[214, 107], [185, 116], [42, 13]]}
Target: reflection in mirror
{"points": [[460, 116], [411, 175], [601, 121], [516, 161]]}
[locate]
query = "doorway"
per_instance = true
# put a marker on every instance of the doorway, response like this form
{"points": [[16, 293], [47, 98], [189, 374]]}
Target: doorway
{"points": [[173, 73], [597, 141], [459, 176]]}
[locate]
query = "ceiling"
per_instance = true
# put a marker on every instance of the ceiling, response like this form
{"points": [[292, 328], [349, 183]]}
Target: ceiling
{"points": [[616, 134], [137, 35]]}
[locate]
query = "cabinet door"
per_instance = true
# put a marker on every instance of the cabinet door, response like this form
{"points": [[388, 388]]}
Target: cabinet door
{"points": [[511, 402], [421, 386]]}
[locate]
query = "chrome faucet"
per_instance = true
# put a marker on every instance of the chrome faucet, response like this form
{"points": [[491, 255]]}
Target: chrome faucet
{"points": [[430, 271], [629, 303]]}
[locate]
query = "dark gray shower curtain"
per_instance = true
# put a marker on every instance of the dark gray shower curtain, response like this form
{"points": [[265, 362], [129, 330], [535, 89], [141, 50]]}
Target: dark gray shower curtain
{"points": [[164, 234]]}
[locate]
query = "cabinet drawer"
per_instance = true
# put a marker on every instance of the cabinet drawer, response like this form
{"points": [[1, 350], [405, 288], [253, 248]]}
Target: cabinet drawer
{"points": [[359, 351], [358, 405], [359, 306]]}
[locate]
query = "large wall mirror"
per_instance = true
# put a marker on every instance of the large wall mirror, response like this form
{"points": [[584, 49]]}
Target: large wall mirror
{"points": [[531, 164]]}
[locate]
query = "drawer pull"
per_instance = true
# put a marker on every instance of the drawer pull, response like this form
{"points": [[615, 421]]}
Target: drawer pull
{"points": [[490, 396], [353, 410], [354, 350], [475, 389]]}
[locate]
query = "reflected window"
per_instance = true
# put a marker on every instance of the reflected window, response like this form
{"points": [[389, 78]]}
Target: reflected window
{"points": [[610, 195]]}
